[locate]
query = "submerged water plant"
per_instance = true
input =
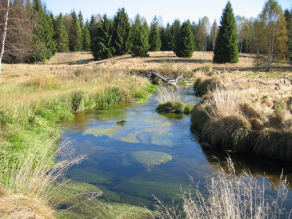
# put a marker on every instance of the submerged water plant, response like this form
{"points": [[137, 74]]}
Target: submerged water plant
{"points": [[146, 158]]}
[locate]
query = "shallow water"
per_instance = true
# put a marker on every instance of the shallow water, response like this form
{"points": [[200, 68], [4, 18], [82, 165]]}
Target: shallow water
{"points": [[135, 153]]}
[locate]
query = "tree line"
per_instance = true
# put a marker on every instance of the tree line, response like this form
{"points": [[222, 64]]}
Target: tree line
{"points": [[35, 34]]}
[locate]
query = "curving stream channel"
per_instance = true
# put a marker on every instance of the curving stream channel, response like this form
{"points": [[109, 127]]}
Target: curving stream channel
{"points": [[134, 152]]}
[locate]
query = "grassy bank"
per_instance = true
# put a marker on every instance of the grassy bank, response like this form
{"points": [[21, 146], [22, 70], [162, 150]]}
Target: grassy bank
{"points": [[248, 112], [34, 99]]}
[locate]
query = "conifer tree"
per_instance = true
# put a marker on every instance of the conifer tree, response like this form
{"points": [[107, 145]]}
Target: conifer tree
{"points": [[169, 38], [86, 37], [163, 38], [154, 37], [61, 34], [184, 46], [140, 45], [121, 33], [80, 18], [101, 46], [44, 46], [195, 30], [76, 37], [226, 49], [175, 27], [91, 25]]}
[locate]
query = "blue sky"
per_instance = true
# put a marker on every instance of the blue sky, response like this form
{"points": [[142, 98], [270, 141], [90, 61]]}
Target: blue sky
{"points": [[167, 9]]}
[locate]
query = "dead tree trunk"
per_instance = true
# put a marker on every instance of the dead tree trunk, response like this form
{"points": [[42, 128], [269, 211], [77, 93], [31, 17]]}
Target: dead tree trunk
{"points": [[5, 24]]}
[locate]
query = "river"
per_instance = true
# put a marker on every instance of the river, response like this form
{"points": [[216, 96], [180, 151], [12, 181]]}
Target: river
{"points": [[135, 153]]}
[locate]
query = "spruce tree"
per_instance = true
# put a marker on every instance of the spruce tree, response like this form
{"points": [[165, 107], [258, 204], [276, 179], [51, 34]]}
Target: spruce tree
{"points": [[86, 37], [101, 46], [80, 18], [44, 46], [176, 29], [184, 46], [140, 45], [76, 38], [226, 48], [162, 34], [169, 38], [154, 37], [61, 35], [121, 33]]}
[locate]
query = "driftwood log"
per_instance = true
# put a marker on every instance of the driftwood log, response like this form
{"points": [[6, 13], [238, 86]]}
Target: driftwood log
{"points": [[170, 82]]}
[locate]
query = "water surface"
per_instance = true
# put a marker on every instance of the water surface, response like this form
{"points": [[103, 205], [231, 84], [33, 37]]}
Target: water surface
{"points": [[135, 153]]}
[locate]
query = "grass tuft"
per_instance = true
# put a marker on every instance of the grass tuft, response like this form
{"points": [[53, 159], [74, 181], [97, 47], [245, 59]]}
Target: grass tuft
{"points": [[227, 195]]}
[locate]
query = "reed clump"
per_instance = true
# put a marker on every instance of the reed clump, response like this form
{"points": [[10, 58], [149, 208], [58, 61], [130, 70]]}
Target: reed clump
{"points": [[203, 84]]}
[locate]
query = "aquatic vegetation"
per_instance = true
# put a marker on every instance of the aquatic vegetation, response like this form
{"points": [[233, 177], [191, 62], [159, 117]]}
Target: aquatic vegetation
{"points": [[146, 158], [153, 130], [131, 137], [103, 131], [84, 175], [88, 203], [162, 138], [144, 188]]}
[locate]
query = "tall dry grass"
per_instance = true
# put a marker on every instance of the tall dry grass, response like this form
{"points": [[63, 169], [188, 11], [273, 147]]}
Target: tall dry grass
{"points": [[228, 196], [168, 94]]}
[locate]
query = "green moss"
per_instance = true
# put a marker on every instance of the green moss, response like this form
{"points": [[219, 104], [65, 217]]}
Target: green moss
{"points": [[103, 131], [171, 107], [89, 207], [86, 176], [188, 109], [146, 187]]}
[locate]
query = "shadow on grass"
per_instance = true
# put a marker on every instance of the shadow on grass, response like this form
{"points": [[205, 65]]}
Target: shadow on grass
{"points": [[185, 60]]}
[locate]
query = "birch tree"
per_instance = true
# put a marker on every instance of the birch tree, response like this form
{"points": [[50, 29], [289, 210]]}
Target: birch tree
{"points": [[5, 7], [270, 16], [214, 33]]}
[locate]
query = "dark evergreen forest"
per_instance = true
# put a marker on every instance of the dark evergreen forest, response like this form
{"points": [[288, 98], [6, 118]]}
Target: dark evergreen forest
{"points": [[35, 34]]}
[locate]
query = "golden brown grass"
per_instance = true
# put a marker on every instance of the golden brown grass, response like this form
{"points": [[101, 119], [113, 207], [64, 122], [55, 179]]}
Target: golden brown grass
{"points": [[156, 60], [244, 114], [17, 206]]}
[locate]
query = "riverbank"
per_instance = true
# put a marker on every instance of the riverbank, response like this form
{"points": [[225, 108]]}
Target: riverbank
{"points": [[34, 99], [245, 112]]}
